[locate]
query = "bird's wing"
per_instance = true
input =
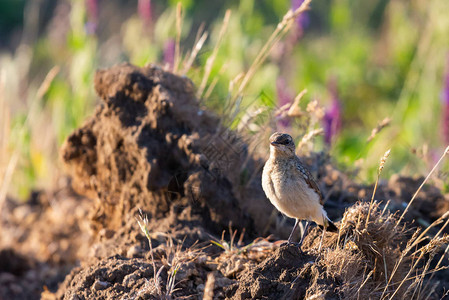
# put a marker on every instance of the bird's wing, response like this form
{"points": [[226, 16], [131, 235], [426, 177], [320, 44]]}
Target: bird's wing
{"points": [[310, 180]]}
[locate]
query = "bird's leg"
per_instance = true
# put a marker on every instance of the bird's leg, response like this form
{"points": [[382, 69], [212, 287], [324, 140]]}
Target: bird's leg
{"points": [[293, 230], [304, 233], [322, 238]]}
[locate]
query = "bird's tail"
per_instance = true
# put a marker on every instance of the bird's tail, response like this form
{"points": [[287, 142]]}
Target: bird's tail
{"points": [[325, 222], [330, 226]]}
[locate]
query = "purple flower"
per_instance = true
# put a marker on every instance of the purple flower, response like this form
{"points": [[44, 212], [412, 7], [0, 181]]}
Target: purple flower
{"points": [[169, 53], [445, 102], [285, 96], [144, 10], [92, 16], [332, 116], [302, 21]]}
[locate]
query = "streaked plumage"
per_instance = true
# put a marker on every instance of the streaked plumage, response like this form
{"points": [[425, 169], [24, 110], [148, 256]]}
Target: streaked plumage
{"points": [[289, 185]]}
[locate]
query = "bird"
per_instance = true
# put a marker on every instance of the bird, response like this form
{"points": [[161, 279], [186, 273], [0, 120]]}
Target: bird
{"points": [[291, 188]]}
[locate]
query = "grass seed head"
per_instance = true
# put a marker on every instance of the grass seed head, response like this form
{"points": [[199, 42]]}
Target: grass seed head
{"points": [[384, 123], [383, 160]]}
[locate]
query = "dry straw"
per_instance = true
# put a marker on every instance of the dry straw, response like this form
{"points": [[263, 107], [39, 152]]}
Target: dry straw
{"points": [[211, 59], [384, 123], [379, 239], [282, 28], [7, 169], [294, 110], [198, 45], [309, 136], [422, 184], [383, 160]]}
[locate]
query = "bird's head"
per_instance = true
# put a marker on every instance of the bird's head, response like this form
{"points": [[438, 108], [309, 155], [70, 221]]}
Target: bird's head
{"points": [[282, 145]]}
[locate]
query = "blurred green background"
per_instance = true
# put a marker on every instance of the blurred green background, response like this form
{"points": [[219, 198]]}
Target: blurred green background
{"points": [[362, 61]]}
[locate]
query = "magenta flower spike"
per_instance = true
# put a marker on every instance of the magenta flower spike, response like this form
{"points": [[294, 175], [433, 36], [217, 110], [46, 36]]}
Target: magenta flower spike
{"points": [[169, 53], [144, 11], [92, 16], [332, 117], [445, 104], [302, 21]]}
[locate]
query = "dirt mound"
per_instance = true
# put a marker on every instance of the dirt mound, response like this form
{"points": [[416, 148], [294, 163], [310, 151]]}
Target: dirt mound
{"points": [[149, 145], [170, 272], [287, 274], [109, 278]]}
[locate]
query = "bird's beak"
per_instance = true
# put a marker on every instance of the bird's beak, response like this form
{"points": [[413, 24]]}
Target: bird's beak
{"points": [[274, 144]]}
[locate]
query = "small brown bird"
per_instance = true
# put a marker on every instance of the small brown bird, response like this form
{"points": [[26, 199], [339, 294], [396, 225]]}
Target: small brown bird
{"points": [[291, 188]]}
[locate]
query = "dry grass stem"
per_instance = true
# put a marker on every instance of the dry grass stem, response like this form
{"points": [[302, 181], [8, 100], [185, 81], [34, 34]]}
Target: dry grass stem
{"points": [[210, 61], [437, 266], [400, 260], [383, 160], [7, 177], [6, 172], [5, 127], [422, 184], [142, 220], [43, 88], [175, 258], [379, 171], [422, 236], [198, 45], [282, 111], [309, 136], [316, 113], [408, 274], [384, 123], [364, 282], [281, 29], [294, 110], [214, 82], [178, 37], [428, 249]]}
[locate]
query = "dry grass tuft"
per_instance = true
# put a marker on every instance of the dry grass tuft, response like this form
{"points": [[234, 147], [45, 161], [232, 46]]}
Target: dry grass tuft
{"points": [[377, 241], [171, 263], [347, 265], [373, 258]]}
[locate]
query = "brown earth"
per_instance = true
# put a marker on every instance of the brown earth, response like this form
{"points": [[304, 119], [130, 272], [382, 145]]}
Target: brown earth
{"points": [[41, 241], [150, 146]]}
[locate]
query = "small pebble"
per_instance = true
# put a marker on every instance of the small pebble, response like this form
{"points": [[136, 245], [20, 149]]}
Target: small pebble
{"points": [[100, 285], [134, 251]]}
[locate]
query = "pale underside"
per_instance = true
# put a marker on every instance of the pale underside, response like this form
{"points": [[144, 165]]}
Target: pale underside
{"points": [[290, 193]]}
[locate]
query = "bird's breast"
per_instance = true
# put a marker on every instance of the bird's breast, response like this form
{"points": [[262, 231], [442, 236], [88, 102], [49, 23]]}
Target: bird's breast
{"points": [[289, 193]]}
